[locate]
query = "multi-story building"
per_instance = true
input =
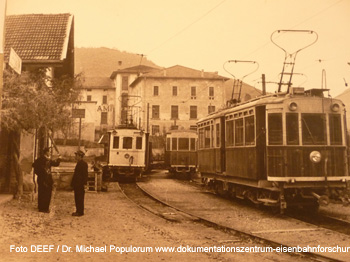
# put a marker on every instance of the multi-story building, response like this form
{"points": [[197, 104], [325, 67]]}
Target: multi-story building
{"points": [[176, 97], [125, 106], [98, 100]]}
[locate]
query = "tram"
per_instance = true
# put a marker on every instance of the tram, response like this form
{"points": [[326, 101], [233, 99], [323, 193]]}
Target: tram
{"points": [[284, 149], [180, 153], [128, 153]]}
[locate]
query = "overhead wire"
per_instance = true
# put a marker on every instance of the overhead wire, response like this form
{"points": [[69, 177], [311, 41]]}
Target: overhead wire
{"points": [[187, 27]]}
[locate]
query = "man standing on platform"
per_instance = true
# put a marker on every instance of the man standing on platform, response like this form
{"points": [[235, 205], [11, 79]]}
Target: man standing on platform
{"points": [[79, 181]]}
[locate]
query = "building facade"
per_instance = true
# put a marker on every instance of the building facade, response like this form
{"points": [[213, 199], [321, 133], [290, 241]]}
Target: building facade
{"points": [[97, 99], [176, 97]]}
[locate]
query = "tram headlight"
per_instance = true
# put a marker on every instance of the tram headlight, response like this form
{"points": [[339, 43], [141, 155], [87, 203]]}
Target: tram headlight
{"points": [[293, 106], [335, 107], [315, 157]]}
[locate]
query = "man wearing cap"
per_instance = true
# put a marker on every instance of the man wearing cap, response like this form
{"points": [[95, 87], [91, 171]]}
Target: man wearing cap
{"points": [[79, 181], [42, 168]]}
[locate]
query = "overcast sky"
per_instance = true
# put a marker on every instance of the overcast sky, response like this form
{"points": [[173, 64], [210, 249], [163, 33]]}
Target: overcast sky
{"points": [[205, 34]]}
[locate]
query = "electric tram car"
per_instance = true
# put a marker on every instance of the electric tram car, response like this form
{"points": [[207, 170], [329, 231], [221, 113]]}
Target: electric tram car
{"points": [[285, 149], [128, 154], [180, 153]]}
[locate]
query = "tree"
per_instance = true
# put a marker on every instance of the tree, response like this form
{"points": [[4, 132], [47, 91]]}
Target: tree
{"points": [[33, 102]]}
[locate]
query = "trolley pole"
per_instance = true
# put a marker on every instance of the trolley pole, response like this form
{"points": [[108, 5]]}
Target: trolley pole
{"points": [[263, 85]]}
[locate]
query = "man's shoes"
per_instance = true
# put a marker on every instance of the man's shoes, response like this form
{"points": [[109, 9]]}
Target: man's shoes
{"points": [[76, 214], [44, 211]]}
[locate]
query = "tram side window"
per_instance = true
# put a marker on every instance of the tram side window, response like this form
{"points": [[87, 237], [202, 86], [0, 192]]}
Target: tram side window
{"points": [[174, 143], [313, 129], [249, 130], [292, 129], [139, 142], [193, 144], [217, 128], [229, 133], [275, 129], [168, 144], [207, 137], [201, 137], [116, 142], [335, 129], [239, 132], [184, 144], [127, 142]]}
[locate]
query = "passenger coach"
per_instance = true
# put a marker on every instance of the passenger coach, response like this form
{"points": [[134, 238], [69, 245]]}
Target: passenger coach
{"points": [[277, 150], [180, 152]]}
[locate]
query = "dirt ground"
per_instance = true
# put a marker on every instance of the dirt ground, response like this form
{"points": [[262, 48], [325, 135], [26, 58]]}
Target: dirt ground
{"points": [[110, 221]]}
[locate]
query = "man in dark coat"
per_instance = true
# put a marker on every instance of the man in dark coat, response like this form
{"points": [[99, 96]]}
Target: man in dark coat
{"points": [[42, 168], [79, 181]]}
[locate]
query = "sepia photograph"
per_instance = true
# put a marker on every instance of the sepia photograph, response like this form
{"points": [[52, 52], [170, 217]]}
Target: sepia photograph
{"points": [[179, 130]]}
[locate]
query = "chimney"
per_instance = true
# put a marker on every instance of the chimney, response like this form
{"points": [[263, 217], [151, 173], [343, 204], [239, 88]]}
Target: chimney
{"points": [[202, 73]]}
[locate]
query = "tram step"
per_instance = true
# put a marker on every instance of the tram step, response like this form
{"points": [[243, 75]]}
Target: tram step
{"points": [[268, 201]]}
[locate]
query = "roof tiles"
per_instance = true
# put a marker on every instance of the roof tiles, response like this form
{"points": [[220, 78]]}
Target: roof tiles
{"points": [[37, 36]]}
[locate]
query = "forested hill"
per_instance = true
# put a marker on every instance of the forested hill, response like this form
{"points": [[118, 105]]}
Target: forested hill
{"points": [[101, 62]]}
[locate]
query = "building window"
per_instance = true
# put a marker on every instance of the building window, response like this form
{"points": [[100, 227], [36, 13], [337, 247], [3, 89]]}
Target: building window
{"points": [[193, 112], [103, 118], [104, 100], [174, 90], [174, 112], [211, 109], [193, 91], [155, 130], [156, 90], [155, 112], [211, 91], [125, 83], [88, 98]]}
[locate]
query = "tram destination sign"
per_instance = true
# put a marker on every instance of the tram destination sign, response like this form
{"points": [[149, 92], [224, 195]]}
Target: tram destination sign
{"points": [[78, 113]]}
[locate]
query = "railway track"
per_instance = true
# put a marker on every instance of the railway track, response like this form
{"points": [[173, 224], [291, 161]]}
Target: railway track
{"points": [[146, 200], [321, 219], [324, 221]]}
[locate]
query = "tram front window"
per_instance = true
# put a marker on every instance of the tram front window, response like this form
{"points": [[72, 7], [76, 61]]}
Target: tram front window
{"points": [[313, 129], [335, 129], [292, 129], [184, 144], [127, 142], [275, 129]]}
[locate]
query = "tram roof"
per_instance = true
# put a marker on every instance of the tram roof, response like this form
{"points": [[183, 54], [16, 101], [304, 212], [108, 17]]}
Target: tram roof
{"points": [[262, 100]]}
